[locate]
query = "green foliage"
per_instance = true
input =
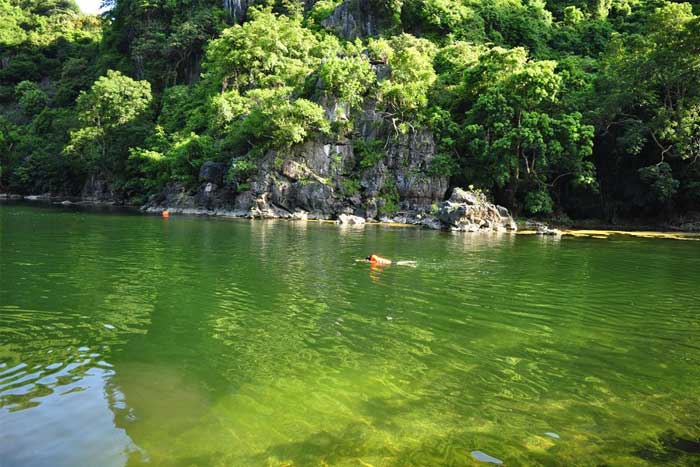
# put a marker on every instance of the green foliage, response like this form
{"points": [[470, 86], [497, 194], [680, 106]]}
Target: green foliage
{"points": [[322, 9], [30, 98], [649, 97], [178, 158], [660, 179], [438, 17], [113, 102], [149, 168], [572, 15], [514, 130], [389, 195], [260, 68], [538, 202], [515, 92], [412, 75], [515, 23], [273, 119], [240, 172], [187, 154], [267, 51], [162, 41], [348, 77], [370, 153], [350, 186], [442, 164], [182, 110]]}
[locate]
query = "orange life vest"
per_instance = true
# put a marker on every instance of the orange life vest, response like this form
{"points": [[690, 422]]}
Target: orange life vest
{"points": [[379, 261]]}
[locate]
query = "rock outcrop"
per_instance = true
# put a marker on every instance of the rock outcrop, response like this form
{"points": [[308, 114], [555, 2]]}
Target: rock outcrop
{"points": [[374, 172], [353, 19], [325, 177], [97, 190], [347, 219], [470, 211]]}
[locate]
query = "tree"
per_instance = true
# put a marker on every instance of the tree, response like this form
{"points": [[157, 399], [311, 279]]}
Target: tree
{"points": [[513, 131], [113, 102], [348, 77], [649, 103], [412, 74], [269, 50], [517, 23], [30, 98]]}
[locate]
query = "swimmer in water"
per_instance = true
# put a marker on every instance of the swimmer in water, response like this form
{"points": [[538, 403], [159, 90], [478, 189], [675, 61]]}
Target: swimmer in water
{"points": [[375, 260], [378, 260]]}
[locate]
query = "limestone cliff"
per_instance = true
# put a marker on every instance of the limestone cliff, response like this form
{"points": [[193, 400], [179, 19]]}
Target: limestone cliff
{"points": [[369, 167]]}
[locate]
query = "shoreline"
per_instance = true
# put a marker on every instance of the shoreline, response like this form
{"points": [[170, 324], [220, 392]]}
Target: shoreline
{"points": [[586, 228]]}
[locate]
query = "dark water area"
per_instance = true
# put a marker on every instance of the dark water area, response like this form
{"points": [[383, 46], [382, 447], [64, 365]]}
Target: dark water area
{"points": [[135, 340]]}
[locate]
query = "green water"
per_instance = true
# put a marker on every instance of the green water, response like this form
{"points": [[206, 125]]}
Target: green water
{"points": [[133, 340]]}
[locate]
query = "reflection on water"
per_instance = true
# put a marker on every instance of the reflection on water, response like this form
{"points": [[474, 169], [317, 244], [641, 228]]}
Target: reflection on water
{"points": [[128, 340], [61, 414]]}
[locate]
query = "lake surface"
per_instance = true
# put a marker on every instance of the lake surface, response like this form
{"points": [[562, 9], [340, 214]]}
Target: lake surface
{"points": [[134, 340]]}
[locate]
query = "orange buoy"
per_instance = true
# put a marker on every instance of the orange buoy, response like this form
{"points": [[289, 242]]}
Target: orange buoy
{"points": [[165, 214]]}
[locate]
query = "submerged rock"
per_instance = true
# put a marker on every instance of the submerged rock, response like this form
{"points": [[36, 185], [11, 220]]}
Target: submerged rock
{"points": [[483, 457], [470, 212]]}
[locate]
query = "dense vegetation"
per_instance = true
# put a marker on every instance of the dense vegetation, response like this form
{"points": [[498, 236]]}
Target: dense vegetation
{"points": [[590, 108]]}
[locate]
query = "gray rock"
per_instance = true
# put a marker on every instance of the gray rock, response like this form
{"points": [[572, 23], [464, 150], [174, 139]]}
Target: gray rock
{"points": [[353, 19], [541, 228], [350, 220], [97, 190], [300, 215], [212, 172], [382, 70], [431, 223], [548, 231], [263, 209], [371, 209], [470, 212], [468, 197]]}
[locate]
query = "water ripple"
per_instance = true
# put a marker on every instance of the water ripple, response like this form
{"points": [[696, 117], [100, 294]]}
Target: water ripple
{"points": [[228, 342]]}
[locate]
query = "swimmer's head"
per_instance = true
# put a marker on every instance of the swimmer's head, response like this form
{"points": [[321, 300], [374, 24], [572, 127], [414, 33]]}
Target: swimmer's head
{"points": [[369, 258]]}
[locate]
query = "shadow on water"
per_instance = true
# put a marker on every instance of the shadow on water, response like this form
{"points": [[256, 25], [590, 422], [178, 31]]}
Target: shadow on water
{"points": [[350, 447], [669, 447], [320, 448]]}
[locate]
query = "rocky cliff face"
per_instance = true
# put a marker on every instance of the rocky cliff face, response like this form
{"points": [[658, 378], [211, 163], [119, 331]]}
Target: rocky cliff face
{"points": [[373, 172], [319, 180], [353, 19], [350, 20], [97, 190]]}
